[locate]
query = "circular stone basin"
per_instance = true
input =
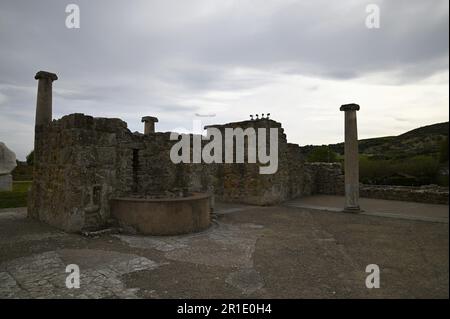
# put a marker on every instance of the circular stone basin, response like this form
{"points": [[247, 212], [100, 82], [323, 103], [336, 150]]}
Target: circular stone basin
{"points": [[163, 216]]}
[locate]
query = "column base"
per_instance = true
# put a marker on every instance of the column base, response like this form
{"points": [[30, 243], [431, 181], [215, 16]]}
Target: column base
{"points": [[353, 209]]}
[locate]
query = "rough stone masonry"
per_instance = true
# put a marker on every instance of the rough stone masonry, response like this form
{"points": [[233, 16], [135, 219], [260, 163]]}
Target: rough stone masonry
{"points": [[82, 162], [7, 164]]}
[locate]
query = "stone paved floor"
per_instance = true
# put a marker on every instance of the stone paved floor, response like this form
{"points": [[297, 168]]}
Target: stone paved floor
{"points": [[255, 252], [377, 207]]}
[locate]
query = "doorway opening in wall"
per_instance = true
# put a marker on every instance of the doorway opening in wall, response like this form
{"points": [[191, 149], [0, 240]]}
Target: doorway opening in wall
{"points": [[135, 165]]}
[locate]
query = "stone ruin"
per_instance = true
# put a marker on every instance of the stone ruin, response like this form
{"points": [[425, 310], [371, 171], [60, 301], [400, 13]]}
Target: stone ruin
{"points": [[7, 164], [82, 163]]}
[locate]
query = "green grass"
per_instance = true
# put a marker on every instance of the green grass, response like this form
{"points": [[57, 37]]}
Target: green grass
{"points": [[414, 171], [17, 197]]}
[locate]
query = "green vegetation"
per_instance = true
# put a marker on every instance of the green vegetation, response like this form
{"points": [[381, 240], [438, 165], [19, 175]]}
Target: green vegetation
{"points": [[427, 140], [22, 172], [415, 158], [30, 158], [322, 154], [17, 197], [414, 171]]}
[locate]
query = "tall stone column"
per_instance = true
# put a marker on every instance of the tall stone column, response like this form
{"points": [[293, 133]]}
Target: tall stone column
{"points": [[44, 97], [149, 126], [351, 164]]}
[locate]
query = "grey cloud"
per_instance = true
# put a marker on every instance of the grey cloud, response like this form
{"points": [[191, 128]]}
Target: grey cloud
{"points": [[150, 55]]}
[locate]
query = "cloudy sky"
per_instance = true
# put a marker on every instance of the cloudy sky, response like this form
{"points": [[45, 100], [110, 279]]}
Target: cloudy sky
{"points": [[298, 60]]}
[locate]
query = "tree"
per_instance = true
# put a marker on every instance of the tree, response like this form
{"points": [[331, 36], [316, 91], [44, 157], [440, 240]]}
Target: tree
{"points": [[322, 154], [30, 158]]}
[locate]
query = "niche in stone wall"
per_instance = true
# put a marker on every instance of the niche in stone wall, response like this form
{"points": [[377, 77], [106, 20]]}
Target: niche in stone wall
{"points": [[135, 168], [96, 195]]}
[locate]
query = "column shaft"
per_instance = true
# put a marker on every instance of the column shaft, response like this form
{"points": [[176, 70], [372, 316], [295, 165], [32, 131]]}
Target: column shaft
{"points": [[149, 124], [351, 162], [44, 97], [44, 102], [149, 127]]}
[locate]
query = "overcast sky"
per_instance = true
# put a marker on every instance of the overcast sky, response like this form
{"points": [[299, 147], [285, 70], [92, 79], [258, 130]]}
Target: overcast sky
{"points": [[298, 60]]}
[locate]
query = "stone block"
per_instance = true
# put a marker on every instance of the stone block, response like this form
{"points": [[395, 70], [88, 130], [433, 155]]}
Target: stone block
{"points": [[6, 182], [7, 159]]}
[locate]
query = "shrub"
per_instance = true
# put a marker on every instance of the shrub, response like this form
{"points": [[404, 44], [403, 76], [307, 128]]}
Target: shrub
{"points": [[417, 170], [322, 154], [30, 158]]}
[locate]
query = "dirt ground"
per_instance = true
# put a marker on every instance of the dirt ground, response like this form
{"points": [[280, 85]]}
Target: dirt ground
{"points": [[248, 252]]}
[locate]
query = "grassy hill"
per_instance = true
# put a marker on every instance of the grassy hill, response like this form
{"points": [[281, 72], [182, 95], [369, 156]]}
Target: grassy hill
{"points": [[416, 157], [426, 140]]}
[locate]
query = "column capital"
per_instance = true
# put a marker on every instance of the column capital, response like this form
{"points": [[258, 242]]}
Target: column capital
{"points": [[46, 75], [146, 119], [349, 107]]}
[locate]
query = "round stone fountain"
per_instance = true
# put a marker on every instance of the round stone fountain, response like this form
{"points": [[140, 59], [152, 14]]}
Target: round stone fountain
{"points": [[162, 215]]}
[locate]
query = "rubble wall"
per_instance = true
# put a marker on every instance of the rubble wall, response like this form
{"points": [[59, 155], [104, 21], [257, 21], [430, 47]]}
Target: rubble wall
{"points": [[82, 162]]}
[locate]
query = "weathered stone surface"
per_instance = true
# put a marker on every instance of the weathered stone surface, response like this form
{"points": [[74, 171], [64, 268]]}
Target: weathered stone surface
{"points": [[248, 280], [325, 178], [351, 161], [84, 162], [44, 97], [223, 245], [44, 275], [7, 159], [328, 179], [431, 194], [6, 182], [7, 164], [296, 253], [149, 126]]}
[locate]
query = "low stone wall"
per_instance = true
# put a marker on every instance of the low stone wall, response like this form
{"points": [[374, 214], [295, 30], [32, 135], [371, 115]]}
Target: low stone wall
{"points": [[430, 194], [325, 178], [328, 179]]}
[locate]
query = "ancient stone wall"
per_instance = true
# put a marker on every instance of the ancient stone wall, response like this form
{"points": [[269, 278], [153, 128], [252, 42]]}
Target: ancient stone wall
{"points": [[431, 194], [328, 179], [244, 183], [325, 178], [76, 170], [82, 162]]}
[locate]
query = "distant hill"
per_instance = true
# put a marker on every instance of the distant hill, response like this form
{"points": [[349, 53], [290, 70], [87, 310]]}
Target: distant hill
{"points": [[426, 140], [417, 157], [434, 129]]}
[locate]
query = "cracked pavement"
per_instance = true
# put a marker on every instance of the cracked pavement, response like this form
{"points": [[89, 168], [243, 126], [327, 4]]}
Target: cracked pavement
{"points": [[248, 252]]}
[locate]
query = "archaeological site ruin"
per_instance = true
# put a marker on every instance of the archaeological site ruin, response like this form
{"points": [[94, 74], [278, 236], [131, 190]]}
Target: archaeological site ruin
{"points": [[89, 171]]}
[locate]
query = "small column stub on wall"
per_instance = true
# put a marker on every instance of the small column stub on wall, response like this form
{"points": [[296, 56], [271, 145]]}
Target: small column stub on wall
{"points": [[149, 124]]}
